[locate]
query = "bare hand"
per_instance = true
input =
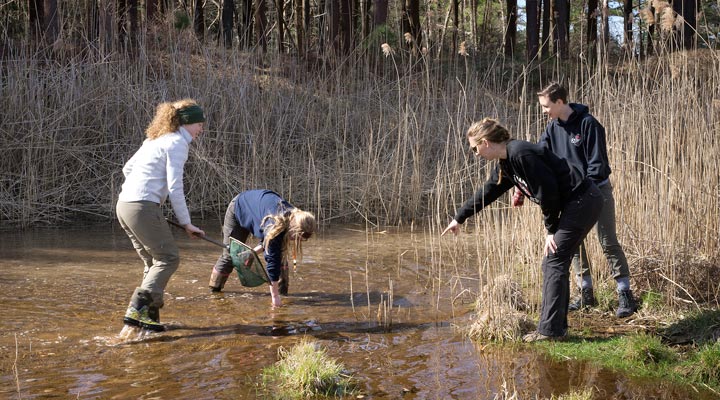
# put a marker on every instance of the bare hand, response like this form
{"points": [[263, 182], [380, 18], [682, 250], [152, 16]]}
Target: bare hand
{"points": [[193, 231], [453, 227], [550, 246]]}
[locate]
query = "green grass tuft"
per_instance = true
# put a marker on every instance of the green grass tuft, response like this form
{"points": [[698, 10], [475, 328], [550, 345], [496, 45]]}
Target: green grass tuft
{"points": [[705, 365], [647, 350], [585, 394], [305, 371]]}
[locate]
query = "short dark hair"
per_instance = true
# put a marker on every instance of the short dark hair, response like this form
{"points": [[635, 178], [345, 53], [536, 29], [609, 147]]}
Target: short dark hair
{"points": [[554, 92]]}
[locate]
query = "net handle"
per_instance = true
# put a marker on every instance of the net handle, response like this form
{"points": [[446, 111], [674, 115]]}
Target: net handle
{"points": [[203, 237]]}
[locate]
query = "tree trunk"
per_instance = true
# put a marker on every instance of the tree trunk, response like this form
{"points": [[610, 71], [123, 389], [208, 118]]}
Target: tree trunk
{"points": [[628, 41], [474, 20], [228, 12], [511, 27], [334, 24], [346, 25], [35, 14], [689, 14], [134, 31], [561, 28], [50, 19], [280, 7], [121, 21], [92, 30], [604, 27], [261, 24], [245, 27], [456, 16], [546, 22], [199, 20], [300, 27], [380, 13], [591, 34], [106, 27], [533, 31], [415, 28], [152, 9], [650, 47]]}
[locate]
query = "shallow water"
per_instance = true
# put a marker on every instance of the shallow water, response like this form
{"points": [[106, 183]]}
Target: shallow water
{"points": [[64, 292]]}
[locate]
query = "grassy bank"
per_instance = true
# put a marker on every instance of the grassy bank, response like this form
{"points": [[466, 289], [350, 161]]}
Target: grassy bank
{"points": [[684, 351]]}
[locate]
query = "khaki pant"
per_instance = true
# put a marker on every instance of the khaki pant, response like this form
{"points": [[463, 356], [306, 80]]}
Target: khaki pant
{"points": [[152, 239]]}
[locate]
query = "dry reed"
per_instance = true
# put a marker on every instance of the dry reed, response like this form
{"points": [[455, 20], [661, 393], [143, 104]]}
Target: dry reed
{"points": [[382, 148]]}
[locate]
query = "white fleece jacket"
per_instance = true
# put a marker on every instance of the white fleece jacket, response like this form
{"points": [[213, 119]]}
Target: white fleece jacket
{"points": [[155, 172]]}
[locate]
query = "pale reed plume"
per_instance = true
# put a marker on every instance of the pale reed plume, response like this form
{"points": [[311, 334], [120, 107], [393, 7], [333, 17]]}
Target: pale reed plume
{"points": [[647, 15], [667, 19], [387, 50], [463, 50]]}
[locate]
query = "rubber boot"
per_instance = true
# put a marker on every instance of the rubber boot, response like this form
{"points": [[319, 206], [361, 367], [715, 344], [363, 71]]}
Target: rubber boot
{"points": [[217, 281], [138, 312], [626, 304], [585, 300]]}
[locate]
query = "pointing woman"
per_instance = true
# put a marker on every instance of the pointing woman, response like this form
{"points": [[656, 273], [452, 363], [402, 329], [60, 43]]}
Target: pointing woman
{"points": [[570, 205]]}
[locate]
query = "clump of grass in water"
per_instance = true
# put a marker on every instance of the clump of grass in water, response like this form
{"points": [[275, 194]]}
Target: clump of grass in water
{"points": [[304, 371], [585, 394], [500, 312]]}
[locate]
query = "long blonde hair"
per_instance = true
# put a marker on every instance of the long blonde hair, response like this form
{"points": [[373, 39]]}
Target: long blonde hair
{"points": [[166, 119], [298, 224]]}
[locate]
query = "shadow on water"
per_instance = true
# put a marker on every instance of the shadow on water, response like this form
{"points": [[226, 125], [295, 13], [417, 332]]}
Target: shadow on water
{"points": [[64, 294]]}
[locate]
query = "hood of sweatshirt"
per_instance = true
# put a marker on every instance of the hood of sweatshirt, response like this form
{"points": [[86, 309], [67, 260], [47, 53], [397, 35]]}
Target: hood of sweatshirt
{"points": [[579, 112]]}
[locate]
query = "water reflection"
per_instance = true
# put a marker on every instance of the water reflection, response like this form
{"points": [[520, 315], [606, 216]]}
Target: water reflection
{"points": [[381, 312]]}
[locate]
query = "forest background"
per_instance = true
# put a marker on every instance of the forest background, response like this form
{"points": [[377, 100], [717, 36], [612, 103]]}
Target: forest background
{"points": [[356, 110]]}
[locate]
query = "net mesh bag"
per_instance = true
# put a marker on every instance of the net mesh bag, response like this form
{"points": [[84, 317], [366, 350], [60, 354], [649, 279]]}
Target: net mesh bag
{"points": [[249, 268]]}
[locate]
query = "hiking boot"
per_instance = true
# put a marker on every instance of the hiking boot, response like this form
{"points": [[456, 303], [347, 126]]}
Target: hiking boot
{"points": [[217, 281], [539, 337], [626, 304], [585, 300], [141, 318]]}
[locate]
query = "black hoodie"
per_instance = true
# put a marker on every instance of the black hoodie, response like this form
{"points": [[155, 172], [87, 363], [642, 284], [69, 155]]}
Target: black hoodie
{"points": [[581, 142], [538, 173]]}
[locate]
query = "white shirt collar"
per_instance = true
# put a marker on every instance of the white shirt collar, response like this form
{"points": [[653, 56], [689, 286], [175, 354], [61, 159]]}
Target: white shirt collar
{"points": [[185, 134]]}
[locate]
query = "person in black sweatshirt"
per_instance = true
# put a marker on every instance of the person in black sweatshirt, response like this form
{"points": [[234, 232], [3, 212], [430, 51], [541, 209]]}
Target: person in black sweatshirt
{"points": [[575, 135], [570, 205]]}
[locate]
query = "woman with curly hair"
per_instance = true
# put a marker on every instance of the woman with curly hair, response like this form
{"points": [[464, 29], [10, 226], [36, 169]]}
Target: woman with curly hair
{"points": [[280, 227], [153, 174]]}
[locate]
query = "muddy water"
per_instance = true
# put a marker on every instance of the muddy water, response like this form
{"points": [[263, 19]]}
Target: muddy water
{"points": [[374, 300]]}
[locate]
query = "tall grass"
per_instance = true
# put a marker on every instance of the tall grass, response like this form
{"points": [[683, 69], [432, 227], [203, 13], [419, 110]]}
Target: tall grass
{"points": [[378, 148]]}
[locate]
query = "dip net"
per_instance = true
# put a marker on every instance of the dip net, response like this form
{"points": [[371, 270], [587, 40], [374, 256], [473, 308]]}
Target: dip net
{"points": [[249, 268]]}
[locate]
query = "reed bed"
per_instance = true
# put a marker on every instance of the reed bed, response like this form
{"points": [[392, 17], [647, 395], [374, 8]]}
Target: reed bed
{"points": [[381, 148]]}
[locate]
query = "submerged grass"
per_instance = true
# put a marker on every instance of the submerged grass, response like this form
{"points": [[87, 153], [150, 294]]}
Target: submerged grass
{"points": [[305, 371]]}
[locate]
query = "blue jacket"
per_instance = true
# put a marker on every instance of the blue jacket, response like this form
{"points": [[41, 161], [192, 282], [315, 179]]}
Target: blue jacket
{"points": [[581, 142], [251, 207]]}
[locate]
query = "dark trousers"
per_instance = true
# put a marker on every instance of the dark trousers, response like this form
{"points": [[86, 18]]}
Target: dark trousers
{"points": [[576, 220], [230, 228]]}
